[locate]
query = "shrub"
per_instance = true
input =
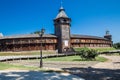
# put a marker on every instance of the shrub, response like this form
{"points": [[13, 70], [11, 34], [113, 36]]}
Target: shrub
{"points": [[87, 53]]}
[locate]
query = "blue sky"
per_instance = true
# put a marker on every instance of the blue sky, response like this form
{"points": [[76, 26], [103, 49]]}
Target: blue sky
{"points": [[89, 17]]}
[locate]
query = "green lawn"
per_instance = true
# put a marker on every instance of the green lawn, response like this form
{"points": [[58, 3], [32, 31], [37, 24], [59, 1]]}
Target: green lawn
{"points": [[74, 58], [4, 66], [98, 49], [101, 59], [25, 53]]}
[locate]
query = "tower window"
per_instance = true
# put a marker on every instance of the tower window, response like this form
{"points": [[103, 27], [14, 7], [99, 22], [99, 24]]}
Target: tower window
{"points": [[58, 21], [64, 20]]}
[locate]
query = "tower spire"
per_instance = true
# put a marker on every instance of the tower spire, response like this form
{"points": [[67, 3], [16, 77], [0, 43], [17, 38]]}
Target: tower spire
{"points": [[61, 3], [107, 32], [61, 12]]}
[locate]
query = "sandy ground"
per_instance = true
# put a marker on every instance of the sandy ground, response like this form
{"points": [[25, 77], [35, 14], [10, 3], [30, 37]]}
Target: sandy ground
{"points": [[112, 63]]}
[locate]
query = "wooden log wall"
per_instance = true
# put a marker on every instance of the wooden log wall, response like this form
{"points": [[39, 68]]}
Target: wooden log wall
{"points": [[75, 42], [28, 44]]}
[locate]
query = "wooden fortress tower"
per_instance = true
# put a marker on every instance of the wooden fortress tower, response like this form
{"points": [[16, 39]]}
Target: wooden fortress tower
{"points": [[62, 30]]}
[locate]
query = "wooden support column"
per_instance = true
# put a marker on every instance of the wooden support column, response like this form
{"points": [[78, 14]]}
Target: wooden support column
{"points": [[13, 45], [29, 44], [20, 45]]}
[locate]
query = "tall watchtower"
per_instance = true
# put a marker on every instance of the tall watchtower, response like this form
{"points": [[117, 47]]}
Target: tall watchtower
{"points": [[62, 30], [108, 36]]}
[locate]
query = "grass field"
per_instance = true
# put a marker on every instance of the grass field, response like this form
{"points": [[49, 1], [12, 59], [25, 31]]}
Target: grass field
{"points": [[74, 58], [25, 53], [6, 66], [97, 49]]}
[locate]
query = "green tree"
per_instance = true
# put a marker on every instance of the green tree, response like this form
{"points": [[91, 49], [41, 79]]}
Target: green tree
{"points": [[116, 45], [36, 32]]}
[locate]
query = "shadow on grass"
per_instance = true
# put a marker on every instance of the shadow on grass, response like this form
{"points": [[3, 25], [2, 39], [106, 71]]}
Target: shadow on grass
{"points": [[95, 73]]}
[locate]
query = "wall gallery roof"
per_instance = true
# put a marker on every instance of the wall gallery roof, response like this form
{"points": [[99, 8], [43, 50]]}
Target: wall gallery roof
{"points": [[51, 36]]}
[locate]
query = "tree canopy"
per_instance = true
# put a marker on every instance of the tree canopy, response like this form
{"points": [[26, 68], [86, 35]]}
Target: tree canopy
{"points": [[116, 45], [36, 32]]}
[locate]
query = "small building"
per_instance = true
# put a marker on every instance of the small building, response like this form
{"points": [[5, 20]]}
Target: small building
{"points": [[61, 40]]}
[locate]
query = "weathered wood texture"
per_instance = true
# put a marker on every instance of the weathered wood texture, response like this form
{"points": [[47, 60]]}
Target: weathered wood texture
{"points": [[29, 44]]}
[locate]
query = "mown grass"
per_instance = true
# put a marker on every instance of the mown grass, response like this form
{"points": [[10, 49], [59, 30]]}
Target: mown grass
{"points": [[101, 59], [75, 58], [104, 49], [6, 66], [98, 49], [25, 53]]}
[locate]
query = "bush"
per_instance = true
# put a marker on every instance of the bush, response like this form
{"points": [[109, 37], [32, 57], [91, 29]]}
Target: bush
{"points": [[88, 54]]}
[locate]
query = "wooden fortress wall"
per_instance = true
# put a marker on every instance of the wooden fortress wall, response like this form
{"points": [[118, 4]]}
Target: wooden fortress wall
{"points": [[29, 44]]}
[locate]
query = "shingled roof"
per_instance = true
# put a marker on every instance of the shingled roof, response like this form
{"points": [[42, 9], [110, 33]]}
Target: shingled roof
{"points": [[51, 36], [28, 36], [62, 13], [87, 36]]}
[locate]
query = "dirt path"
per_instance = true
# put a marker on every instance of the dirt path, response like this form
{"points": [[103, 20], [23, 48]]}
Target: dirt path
{"points": [[112, 63]]}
